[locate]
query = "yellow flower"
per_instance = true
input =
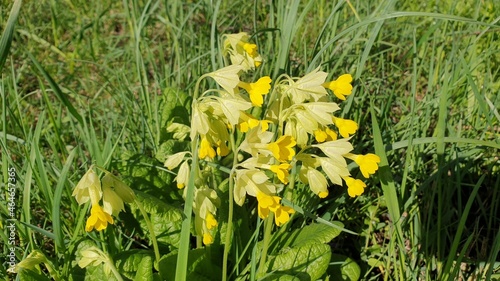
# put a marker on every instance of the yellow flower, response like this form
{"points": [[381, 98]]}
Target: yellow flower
{"points": [[368, 164], [98, 219], [355, 187], [266, 204], [240, 51], [175, 159], [282, 149], [281, 171], [282, 215], [207, 239], [206, 149], [251, 50], [210, 221], [346, 127], [341, 87], [257, 90], [335, 149], [222, 149], [325, 135]]}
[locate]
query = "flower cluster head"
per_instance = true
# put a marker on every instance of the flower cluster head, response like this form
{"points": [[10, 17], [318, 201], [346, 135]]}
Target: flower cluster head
{"points": [[268, 128], [110, 189]]}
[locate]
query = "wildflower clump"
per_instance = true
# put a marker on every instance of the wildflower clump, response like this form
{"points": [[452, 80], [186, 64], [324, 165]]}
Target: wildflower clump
{"points": [[270, 135], [110, 189]]}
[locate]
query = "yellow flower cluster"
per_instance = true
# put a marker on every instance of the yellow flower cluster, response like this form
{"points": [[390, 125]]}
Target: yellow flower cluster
{"points": [[113, 193], [295, 127]]}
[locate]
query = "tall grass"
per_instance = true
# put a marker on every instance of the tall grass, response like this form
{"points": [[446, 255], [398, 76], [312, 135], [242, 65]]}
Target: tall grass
{"points": [[85, 83]]}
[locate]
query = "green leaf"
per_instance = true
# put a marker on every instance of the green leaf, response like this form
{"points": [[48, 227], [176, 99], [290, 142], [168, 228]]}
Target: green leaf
{"points": [[315, 233], [166, 219], [168, 148], [200, 266], [343, 268], [135, 264], [280, 277], [6, 39], [308, 262], [30, 275]]}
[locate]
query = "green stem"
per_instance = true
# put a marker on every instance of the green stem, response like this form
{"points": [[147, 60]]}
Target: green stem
{"points": [[229, 228], [151, 231], [268, 227], [113, 269]]}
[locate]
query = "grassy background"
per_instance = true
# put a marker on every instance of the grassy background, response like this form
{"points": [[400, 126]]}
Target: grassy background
{"points": [[426, 97]]}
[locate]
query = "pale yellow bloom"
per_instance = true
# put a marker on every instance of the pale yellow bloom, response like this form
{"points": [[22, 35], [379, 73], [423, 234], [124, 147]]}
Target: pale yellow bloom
{"points": [[241, 51], [227, 77], [115, 192], [307, 88], [341, 87], [89, 187], [317, 182], [336, 148], [175, 159], [251, 182], [182, 177]]}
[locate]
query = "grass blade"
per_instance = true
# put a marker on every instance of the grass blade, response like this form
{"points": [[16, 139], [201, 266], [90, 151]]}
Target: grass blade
{"points": [[6, 39]]}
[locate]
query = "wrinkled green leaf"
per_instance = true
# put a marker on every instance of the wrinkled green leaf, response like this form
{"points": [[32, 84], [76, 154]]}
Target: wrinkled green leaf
{"points": [[146, 174], [166, 219], [200, 266], [168, 148], [343, 268], [135, 264], [30, 275], [308, 262], [315, 233], [174, 107], [280, 277]]}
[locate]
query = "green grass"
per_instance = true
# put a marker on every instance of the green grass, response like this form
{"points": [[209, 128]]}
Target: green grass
{"points": [[86, 83]]}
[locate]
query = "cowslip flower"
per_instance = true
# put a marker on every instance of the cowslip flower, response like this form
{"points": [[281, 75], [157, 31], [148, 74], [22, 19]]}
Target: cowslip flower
{"points": [[341, 87], [182, 177], [241, 51], [251, 182], [346, 127], [317, 182], [206, 149], [368, 164], [282, 148], [307, 88], [205, 207], [324, 135], [355, 187], [115, 192], [281, 171], [88, 188], [227, 77], [271, 203], [98, 219], [336, 148], [257, 90]]}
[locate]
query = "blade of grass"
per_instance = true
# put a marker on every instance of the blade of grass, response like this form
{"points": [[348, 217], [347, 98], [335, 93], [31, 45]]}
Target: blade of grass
{"points": [[56, 209], [6, 40], [452, 254]]}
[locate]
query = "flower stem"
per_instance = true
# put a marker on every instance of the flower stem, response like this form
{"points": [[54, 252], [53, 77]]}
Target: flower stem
{"points": [[229, 228], [268, 226], [151, 231]]}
